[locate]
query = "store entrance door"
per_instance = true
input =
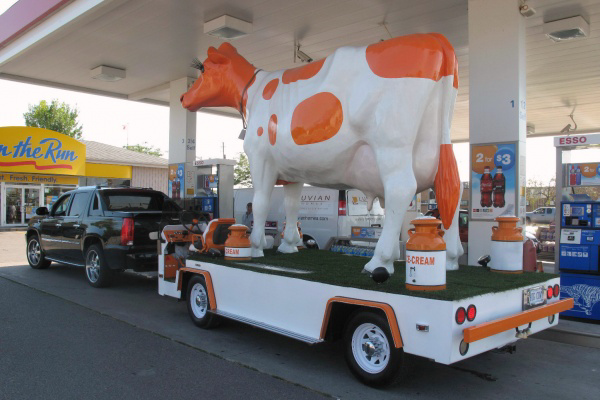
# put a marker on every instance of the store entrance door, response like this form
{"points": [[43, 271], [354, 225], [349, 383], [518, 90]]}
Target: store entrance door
{"points": [[21, 203]]}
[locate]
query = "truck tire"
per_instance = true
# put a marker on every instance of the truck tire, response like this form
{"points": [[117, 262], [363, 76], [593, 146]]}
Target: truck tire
{"points": [[35, 255], [97, 272], [198, 304], [370, 352]]}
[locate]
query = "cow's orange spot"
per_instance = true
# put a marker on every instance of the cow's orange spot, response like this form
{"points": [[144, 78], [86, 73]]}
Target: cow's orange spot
{"points": [[283, 182], [317, 119], [272, 128], [269, 90], [427, 55], [260, 131], [305, 72]]}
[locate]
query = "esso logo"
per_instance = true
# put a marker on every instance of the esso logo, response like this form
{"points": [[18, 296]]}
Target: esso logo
{"points": [[573, 140]]}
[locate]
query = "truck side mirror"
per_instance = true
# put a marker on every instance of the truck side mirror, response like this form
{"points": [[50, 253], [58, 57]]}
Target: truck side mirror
{"points": [[42, 211]]}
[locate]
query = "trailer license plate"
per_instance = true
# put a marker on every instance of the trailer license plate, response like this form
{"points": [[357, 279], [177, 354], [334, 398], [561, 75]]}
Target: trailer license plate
{"points": [[533, 297]]}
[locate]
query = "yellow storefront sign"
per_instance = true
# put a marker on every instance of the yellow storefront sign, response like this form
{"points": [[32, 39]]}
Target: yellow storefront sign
{"points": [[108, 171], [37, 179], [36, 150]]}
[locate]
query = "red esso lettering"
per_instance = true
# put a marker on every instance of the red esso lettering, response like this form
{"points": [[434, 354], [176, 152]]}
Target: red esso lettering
{"points": [[582, 139]]}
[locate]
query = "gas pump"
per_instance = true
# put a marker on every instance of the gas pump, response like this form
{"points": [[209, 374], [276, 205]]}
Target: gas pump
{"points": [[577, 254], [214, 188]]}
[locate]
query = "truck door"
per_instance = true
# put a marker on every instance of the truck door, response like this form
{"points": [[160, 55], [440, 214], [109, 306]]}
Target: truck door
{"points": [[72, 228], [51, 227]]}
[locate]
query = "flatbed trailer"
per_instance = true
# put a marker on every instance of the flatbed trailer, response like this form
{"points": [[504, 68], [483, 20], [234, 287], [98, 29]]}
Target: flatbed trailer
{"points": [[314, 296]]}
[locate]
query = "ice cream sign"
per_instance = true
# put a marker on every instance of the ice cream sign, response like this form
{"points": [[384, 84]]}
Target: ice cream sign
{"points": [[36, 150]]}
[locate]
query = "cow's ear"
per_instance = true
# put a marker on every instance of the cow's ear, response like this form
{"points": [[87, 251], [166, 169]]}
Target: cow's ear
{"points": [[226, 47], [216, 57]]}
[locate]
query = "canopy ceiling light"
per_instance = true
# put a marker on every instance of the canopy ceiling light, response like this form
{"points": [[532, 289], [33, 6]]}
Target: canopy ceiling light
{"points": [[567, 29], [107, 74], [227, 27]]}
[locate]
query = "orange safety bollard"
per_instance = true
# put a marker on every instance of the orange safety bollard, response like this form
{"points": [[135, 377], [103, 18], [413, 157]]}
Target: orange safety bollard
{"points": [[507, 246], [426, 256], [237, 245]]}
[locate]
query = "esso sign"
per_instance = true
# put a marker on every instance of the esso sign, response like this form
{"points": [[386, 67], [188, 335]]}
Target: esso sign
{"points": [[572, 140]]}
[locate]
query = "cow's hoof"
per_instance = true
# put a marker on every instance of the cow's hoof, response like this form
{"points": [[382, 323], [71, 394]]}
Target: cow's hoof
{"points": [[380, 275], [256, 253], [365, 271], [287, 248]]}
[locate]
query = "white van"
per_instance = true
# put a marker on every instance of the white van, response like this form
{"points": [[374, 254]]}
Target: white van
{"points": [[324, 213]]}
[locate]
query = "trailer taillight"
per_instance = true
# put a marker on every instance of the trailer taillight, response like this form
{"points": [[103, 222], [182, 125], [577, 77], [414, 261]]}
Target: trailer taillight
{"points": [[550, 292], [342, 207], [556, 290], [471, 312], [127, 232], [461, 315]]}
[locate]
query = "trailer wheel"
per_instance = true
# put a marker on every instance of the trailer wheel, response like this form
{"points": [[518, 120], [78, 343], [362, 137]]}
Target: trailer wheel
{"points": [[198, 304], [370, 351]]}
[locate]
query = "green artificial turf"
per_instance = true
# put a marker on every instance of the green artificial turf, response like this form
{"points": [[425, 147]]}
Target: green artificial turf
{"points": [[343, 270]]}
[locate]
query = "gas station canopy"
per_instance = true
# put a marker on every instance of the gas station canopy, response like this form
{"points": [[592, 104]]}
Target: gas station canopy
{"points": [[61, 43]]}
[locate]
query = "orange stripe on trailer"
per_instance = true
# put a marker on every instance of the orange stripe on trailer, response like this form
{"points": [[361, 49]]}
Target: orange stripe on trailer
{"points": [[386, 308], [447, 185], [487, 329], [207, 279]]}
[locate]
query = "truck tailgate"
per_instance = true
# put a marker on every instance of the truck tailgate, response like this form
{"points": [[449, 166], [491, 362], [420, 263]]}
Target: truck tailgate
{"points": [[144, 224]]}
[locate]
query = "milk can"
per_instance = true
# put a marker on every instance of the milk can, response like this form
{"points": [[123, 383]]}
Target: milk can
{"points": [[237, 245], [507, 246], [425, 256]]}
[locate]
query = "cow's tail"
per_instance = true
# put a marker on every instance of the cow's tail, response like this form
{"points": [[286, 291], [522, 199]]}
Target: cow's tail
{"points": [[447, 180]]}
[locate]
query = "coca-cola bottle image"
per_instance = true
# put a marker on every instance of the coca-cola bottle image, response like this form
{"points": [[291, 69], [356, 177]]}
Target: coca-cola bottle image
{"points": [[499, 184], [173, 190], [572, 177], [578, 176], [486, 187]]}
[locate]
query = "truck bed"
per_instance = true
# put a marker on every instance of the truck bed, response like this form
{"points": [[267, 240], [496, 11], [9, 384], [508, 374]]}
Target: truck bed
{"points": [[342, 270]]}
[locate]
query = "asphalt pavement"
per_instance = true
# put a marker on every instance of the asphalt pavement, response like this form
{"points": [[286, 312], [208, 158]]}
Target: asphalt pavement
{"points": [[51, 348], [61, 338]]}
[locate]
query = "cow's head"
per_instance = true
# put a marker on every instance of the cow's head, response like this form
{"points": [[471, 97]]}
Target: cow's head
{"points": [[223, 76]]}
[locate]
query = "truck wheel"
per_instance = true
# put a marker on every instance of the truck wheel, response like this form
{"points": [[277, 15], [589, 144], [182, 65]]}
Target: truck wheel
{"points": [[198, 304], [96, 270], [35, 255], [370, 351]]}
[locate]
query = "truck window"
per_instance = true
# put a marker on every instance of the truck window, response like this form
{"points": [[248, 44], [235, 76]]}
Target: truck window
{"points": [[60, 207], [78, 204], [132, 201], [95, 208]]}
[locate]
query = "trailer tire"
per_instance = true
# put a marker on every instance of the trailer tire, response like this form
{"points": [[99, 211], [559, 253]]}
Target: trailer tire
{"points": [[370, 352], [198, 304]]}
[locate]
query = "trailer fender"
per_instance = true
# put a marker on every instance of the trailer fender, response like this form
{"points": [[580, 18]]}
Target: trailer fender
{"points": [[385, 308], [185, 273]]}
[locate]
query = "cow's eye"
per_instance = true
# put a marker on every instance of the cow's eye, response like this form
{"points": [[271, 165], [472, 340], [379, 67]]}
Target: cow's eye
{"points": [[197, 64]]}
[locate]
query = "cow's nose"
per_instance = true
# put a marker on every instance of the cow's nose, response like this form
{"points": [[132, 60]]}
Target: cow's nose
{"points": [[181, 98]]}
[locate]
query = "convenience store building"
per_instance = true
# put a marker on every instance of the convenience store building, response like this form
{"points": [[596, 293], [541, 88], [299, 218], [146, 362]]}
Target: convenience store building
{"points": [[38, 165]]}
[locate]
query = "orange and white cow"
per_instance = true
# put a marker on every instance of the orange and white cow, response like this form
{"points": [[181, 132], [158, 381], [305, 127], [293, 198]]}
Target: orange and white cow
{"points": [[375, 118]]}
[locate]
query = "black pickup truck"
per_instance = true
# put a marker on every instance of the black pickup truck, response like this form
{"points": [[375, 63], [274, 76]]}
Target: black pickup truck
{"points": [[104, 229]]}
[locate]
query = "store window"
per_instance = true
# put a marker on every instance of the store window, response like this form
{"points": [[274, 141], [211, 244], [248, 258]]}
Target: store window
{"points": [[52, 193]]}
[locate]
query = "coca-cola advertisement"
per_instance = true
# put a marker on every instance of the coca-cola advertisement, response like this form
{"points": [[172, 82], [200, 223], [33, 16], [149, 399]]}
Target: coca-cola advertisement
{"points": [[176, 184], [493, 180]]}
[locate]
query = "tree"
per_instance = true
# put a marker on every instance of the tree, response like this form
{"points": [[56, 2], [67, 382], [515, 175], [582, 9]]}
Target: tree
{"points": [[145, 148], [540, 194], [58, 117], [241, 172]]}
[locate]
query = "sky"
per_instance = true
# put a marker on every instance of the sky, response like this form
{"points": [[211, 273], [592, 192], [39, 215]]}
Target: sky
{"points": [[120, 122]]}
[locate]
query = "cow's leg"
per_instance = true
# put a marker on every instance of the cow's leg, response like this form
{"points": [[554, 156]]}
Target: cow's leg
{"points": [[454, 247], [400, 185], [292, 205], [264, 176]]}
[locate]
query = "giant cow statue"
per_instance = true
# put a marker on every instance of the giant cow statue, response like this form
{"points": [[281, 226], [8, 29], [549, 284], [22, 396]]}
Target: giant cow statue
{"points": [[375, 118]]}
